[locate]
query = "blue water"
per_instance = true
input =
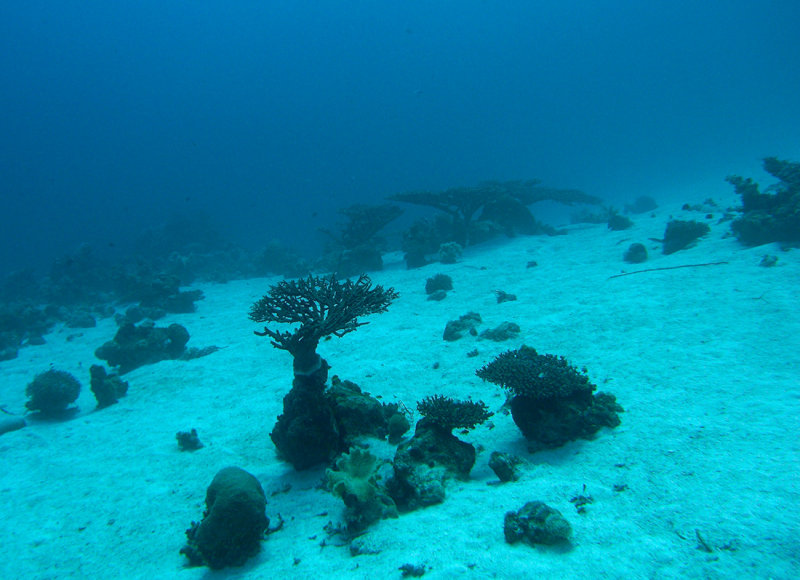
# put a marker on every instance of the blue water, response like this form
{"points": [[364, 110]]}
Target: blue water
{"points": [[268, 116]]}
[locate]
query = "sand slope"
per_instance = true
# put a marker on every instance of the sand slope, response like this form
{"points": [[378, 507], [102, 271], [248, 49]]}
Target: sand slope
{"points": [[704, 360]]}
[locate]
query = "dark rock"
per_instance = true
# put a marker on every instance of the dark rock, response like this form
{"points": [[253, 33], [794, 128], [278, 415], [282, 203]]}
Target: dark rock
{"points": [[188, 440], [438, 282], [617, 222], [233, 524], [398, 426], [455, 328], [504, 296], [450, 252], [107, 388], [504, 331], [8, 353], [536, 523], [135, 346], [412, 570], [505, 466], [306, 433], [36, 340], [635, 254], [357, 413], [423, 464], [768, 261]]}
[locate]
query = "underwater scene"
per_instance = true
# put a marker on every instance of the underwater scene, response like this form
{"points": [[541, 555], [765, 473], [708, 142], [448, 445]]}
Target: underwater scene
{"points": [[400, 289]]}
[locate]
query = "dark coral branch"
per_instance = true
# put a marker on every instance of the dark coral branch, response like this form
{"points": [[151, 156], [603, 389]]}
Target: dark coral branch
{"points": [[321, 306]]}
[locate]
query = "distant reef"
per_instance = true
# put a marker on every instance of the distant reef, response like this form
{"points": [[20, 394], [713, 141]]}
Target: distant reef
{"points": [[771, 215]]}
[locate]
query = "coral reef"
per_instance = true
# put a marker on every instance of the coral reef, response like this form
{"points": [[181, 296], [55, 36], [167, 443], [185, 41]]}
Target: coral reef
{"points": [[233, 523], [357, 413], [681, 234], [425, 237], [355, 480], [275, 258], [358, 247], [51, 393], [551, 401], [397, 426], [509, 215], [772, 215], [21, 322], [163, 292], [424, 463], [450, 252], [307, 432], [321, 306], [107, 388], [503, 198], [134, 346]]}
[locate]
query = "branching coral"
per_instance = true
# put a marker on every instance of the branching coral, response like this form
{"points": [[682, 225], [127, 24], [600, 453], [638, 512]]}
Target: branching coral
{"points": [[552, 402], [524, 372], [462, 203], [450, 414], [772, 215], [307, 433], [321, 306]]}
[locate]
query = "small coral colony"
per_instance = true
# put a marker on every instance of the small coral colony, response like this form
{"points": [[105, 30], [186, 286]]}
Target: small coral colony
{"points": [[328, 421]]}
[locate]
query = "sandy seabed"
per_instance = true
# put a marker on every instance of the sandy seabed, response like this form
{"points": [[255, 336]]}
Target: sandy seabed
{"points": [[701, 480]]}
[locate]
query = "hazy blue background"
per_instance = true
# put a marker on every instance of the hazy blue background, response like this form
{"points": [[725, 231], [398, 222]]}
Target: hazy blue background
{"points": [[270, 115]]}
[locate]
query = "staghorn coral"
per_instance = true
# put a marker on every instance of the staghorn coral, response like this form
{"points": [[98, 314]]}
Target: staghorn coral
{"points": [[321, 306], [551, 401], [450, 414], [526, 373], [423, 464], [308, 431]]}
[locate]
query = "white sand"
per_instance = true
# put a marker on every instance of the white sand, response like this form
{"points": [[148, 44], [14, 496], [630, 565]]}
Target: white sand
{"points": [[704, 360]]}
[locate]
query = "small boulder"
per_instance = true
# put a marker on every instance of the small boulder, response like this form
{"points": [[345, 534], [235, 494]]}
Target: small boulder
{"points": [[536, 523], [51, 393], [233, 524], [635, 254]]}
